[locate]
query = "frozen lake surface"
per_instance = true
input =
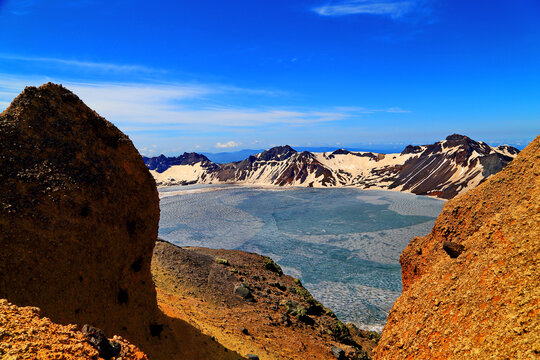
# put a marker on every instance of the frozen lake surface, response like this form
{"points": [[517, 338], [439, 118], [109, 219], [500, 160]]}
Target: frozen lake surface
{"points": [[343, 243]]}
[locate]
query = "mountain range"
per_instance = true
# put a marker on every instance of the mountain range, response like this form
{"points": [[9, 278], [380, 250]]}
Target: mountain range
{"points": [[444, 169]]}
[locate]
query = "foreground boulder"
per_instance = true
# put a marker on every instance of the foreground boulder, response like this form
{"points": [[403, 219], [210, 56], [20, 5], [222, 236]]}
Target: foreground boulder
{"points": [[79, 217], [472, 286]]}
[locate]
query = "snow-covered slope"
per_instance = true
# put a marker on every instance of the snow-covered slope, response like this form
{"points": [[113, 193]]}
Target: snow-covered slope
{"points": [[444, 169], [188, 168]]}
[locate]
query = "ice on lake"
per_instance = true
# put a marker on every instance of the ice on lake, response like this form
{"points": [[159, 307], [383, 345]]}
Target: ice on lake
{"points": [[343, 243]]}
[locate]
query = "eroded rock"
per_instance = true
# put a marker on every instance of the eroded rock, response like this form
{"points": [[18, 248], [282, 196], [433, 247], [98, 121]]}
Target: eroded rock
{"points": [[106, 348], [78, 216], [453, 249]]}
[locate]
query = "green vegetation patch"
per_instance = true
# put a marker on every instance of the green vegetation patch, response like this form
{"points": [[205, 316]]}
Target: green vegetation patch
{"points": [[223, 261], [269, 264]]}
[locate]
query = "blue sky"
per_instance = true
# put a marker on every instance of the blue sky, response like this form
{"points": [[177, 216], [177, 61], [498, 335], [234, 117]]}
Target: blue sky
{"points": [[227, 75]]}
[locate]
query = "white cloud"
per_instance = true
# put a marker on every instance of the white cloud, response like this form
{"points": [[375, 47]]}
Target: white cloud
{"points": [[397, 110], [101, 66], [229, 144], [20, 7], [144, 107], [392, 8]]}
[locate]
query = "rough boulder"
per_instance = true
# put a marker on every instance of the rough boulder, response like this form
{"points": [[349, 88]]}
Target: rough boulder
{"points": [[78, 216]]}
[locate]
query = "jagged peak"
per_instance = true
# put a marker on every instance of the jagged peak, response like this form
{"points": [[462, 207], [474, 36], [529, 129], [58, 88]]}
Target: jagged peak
{"points": [[162, 162], [458, 137], [509, 149], [277, 153], [306, 154], [340, 152], [412, 149]]}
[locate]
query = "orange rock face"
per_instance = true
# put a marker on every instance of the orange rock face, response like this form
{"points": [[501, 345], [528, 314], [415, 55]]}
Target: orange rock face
{"points": [[24, 334], [78, 217], [472, 286]]}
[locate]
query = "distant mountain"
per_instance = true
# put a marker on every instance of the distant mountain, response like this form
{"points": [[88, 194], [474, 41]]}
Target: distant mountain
{"points": [[227, 157], [385, 149], [162, 162], [443, 169]]}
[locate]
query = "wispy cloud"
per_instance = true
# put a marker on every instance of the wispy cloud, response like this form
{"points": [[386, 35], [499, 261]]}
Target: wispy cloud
{"points": [[392, 8], [364, 110], [20, 7], [101, 66], [229, 144], [397, 110], [181, 114], [140, 106]]}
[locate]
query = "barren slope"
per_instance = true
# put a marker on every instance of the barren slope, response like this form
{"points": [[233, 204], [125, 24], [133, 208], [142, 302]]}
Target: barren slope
{"points": [[223, 292], [472, 286]]}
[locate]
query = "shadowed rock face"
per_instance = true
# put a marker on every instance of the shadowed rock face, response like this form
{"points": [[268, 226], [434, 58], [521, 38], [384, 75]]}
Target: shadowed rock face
{"points": [[78, 216], [472, 286]]}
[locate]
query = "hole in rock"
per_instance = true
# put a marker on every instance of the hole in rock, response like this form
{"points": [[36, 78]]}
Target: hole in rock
{"points": [[137, 265], [156, 329], [123, 296]]}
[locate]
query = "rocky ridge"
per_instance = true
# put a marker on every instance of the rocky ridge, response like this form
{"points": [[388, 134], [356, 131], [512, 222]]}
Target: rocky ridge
{"points": [[246, 303], [162, 163], [444, 169], [471, 287]]}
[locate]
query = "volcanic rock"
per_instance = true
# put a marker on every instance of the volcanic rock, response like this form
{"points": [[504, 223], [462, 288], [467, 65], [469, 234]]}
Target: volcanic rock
{"points": [[79, 215], [338, 353], [79, 218], [243, 291], [482, 301], [106, 348], [273, 327], [25, 334]]}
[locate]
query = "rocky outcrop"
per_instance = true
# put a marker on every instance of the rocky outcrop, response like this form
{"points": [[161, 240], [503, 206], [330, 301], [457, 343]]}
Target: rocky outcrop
{"points": [[245, 302], [444, 169], [162, 162], [24, 334], [79, 216], [78, 222], [472, 286]]}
